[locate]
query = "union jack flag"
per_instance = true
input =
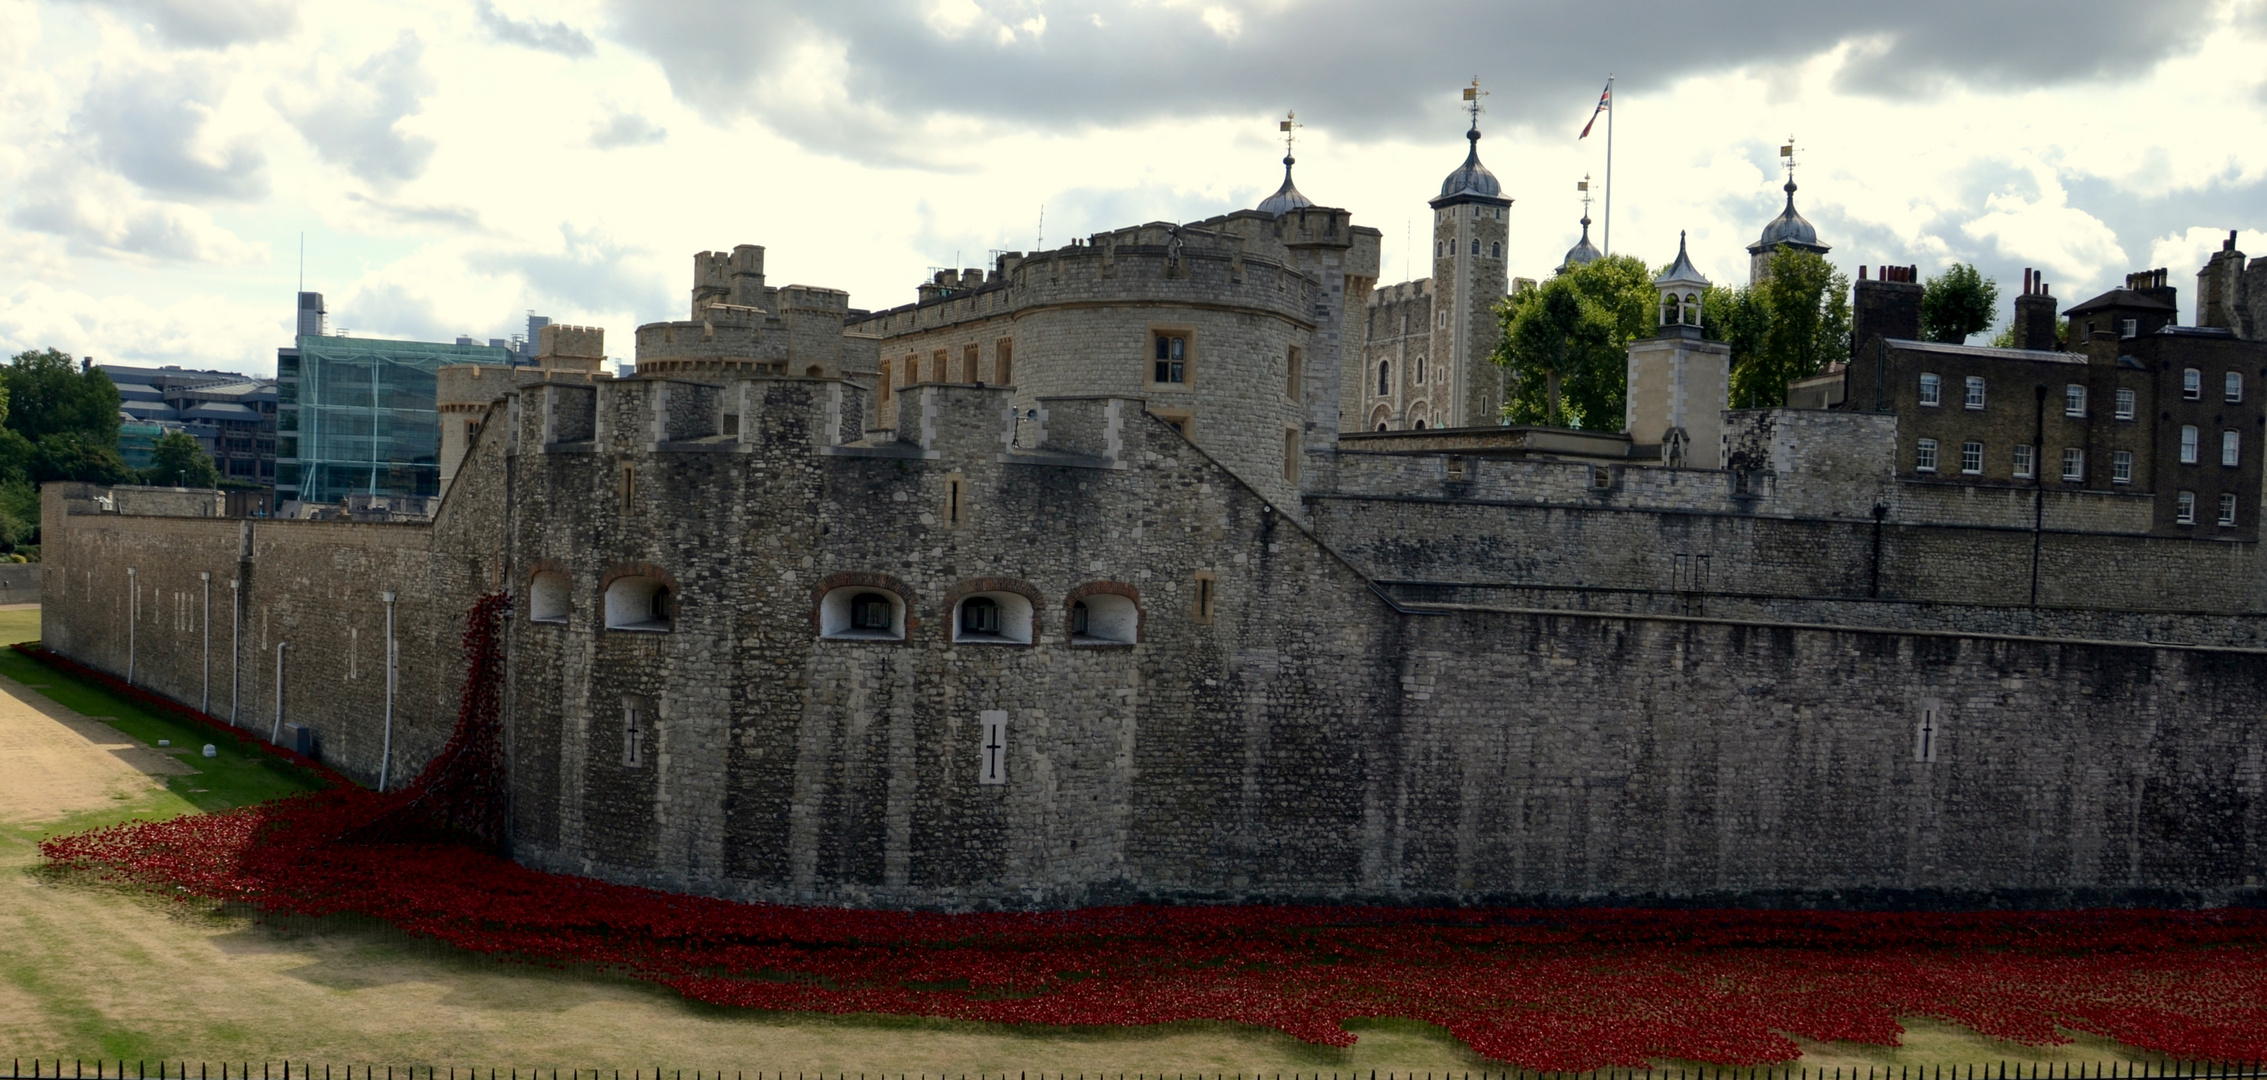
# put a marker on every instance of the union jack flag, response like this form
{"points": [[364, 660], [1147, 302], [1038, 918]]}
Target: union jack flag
{"points": [[1605, 101]]}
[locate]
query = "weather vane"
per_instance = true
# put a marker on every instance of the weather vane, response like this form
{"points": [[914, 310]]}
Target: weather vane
{"points": [[1787, 151], [1290, 126], [1473, 94], [1583, 186]]}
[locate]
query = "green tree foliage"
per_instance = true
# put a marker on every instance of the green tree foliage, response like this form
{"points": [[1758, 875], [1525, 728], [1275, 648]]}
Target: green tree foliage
{"points": [[48, 394], [69, 455], [1787, 327], [1566, 344], [178, 460], [1956, 303]]}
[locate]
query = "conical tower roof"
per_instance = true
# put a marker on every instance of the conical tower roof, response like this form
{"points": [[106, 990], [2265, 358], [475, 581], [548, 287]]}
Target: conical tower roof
{"points": [[1287, 197], [1583, 253]]}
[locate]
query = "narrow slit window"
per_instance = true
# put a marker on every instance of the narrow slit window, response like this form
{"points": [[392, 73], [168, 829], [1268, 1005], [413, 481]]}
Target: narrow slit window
{"points": [[1003, 361], [1205, 584]]}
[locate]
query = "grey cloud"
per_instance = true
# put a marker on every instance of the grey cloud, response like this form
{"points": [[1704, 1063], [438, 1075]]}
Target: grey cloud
{"points": [[627, 129], [1366, 69], [213, 23], [594, 273], [551, 37], [455, 217], [356, 123], [98, 215], [143, 123]]}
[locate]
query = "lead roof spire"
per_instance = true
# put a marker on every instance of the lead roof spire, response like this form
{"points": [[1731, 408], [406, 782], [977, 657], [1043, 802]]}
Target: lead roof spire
{"points": [[1287, 197], [1472, 178]]}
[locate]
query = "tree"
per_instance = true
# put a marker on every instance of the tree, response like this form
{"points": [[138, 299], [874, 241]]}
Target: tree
{"points": [[48, 394], [1786, 327], [1566, 343], [178, 460], [69, 455], [1957, 303]]}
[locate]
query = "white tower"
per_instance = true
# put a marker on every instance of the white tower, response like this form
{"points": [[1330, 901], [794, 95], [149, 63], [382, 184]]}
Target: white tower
{"points": [[1680, 382]]}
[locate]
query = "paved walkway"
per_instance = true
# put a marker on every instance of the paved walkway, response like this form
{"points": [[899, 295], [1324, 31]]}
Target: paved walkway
{"points": [[54, 762]]}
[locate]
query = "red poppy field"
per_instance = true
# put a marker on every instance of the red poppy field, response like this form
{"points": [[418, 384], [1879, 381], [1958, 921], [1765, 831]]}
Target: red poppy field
{"points": [[1541, 989]]}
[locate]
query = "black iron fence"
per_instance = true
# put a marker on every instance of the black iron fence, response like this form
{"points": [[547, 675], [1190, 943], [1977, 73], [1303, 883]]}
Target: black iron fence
{"points": [[120, 1069]]}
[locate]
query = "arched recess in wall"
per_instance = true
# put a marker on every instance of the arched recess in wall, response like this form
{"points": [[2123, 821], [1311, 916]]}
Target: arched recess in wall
{"points": [[550, 593], [993, 611], [862, 606], [640, 597], [1103, 613], [1381, 419]]}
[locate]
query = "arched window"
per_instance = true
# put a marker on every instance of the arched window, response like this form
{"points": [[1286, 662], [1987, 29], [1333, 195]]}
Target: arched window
{"points": [[637, 602], [1104, 619], [1692, 310], [1420, 369], [1495, 250], [814, 371], [1437, 249], [1475, 245], [547, 596], [1385, 377], [1381, 425], [992, 618], [1420, 425], [862, 613]]}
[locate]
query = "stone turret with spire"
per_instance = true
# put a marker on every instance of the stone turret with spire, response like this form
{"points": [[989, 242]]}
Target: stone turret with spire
{"points": [[1470, 231], [1679, 381], [1287, 197], [1787, 231]]}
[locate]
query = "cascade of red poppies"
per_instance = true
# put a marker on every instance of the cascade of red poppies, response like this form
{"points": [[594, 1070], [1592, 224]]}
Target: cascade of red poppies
{"points": [[1573, 989]]}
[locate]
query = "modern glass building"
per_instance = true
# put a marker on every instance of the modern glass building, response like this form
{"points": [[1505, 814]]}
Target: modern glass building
{"points": [[356, 416]]}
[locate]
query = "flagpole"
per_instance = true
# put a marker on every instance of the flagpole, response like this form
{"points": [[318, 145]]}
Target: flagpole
{"points": [[1612, 107]]}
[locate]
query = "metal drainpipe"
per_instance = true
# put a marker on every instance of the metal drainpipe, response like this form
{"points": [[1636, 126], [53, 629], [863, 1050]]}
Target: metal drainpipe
{"points": [[2038, 492], [133, 615], [206, 706], [386, 750], [235, 648], [275, 735]]}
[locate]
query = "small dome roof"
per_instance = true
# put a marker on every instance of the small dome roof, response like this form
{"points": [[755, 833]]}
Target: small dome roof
{"points": [[1471, 178], [1287, 197], [1583, 253], [1789, 228], [1682, 271]]}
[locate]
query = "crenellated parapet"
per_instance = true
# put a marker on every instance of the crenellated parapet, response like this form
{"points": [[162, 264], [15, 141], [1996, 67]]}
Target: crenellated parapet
{"points": [[740, 326]]}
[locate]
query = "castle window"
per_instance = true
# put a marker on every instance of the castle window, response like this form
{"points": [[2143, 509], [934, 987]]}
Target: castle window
{"points": [[1169, 358], [635, 602], [1972, 458], [1924, 459], [1003, 361], [629, 486], [2125, 404], [2188, 444], [1932, 387], [2191, 384], [547, 595], [2073, 464], [2232, 387], [937, 365], [968, 358], [1202, 608], [637, 727], [1385, 377], [1420, 371], [992, 618], [1291, 455], [1105, 619], [956, 500], [1437, 246], [912, 370], [2184, 511], [1420, 425], [2121, 466], [1381, 425], [860, 613], [2073, 400], [1291, 374], [2228, 509], [2231, 448], [1975, 398], [2023, 465], [1495, 250], [1930, 734], [1475, 245]]}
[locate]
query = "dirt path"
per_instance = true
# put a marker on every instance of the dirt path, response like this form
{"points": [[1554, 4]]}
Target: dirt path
{"points": [[59, 763]]}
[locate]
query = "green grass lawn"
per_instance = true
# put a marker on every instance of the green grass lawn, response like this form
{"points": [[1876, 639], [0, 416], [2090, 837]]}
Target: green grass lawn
{"points": [[19, 624]]}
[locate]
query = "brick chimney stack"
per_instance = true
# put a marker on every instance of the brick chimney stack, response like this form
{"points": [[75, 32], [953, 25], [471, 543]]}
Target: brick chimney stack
{"points": [[2035, 314], [1889, 307], [2155, 285]]}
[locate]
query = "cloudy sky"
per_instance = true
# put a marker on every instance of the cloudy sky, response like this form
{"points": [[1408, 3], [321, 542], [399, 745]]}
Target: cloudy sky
{"points": [[452, 165]]}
